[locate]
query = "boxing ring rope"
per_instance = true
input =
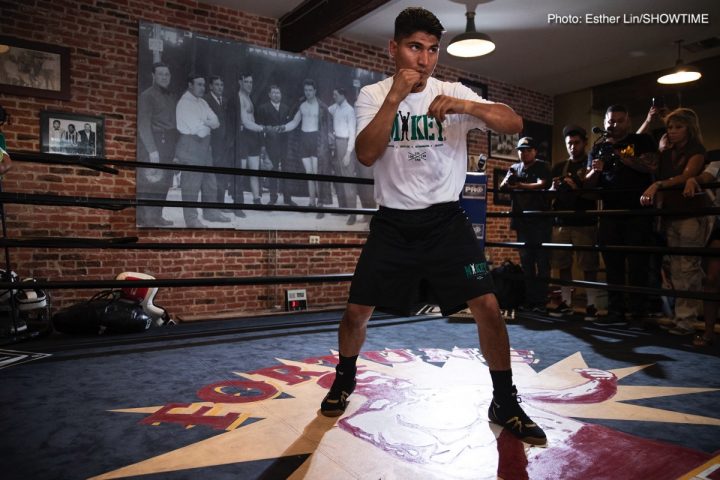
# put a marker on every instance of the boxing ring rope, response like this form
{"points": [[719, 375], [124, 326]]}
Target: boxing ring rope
{"points": [[642, 212], [115, 204], [688, 251], [119, 204], [130, 243], [646, 211], [343, 277], [123, 203], [713, 297], [177, 282], [100, 164]]}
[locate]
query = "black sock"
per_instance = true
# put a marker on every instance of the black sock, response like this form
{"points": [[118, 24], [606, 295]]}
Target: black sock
{"points": [[502, 383], [346, 369]]}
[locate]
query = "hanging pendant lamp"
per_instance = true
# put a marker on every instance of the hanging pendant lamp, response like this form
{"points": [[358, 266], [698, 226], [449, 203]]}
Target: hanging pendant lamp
{"points": [[471, 43], [681, 74]]}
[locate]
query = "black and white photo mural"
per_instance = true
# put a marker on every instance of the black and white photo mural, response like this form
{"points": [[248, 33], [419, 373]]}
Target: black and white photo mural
{"points": [[214, 102]]}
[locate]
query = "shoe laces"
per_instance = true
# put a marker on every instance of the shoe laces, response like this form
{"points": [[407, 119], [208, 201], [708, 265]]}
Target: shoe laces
{"points": [[515, 422]]}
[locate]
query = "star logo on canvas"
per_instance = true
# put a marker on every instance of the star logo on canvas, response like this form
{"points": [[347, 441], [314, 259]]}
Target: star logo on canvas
{"points": [[414, 414]]}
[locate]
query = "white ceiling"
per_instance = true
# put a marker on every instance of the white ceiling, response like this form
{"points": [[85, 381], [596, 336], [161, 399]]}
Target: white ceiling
{"points": [[532, 53]]}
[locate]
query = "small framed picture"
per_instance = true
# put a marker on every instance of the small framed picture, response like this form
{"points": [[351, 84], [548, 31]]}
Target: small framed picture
{"points": [[500, 198], [475, 161], [72, 134], [542, 133], [477, 87], [503, 145], [34, 69]]}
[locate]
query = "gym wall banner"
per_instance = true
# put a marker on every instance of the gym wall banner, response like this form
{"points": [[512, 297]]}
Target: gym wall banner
{"points": [[234, 144]]}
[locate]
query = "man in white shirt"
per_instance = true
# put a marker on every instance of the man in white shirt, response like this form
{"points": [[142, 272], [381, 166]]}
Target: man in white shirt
{"points": [[344, 134], [195, 121], [420, 239]]}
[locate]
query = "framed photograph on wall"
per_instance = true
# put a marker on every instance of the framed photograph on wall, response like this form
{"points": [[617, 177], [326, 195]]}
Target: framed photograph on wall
{"points": [[542, 133], [500, 198], [283, 73], [503, 145], [72, 134], [476, 157], [34, 69], [477, 87]]}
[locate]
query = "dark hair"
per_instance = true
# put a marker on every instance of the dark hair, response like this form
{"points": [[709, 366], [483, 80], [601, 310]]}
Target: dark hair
{"points": [[157, 65], [193, 76], [616, 108], [274, 86], [341, 91], [213, 78], [310, 82], [244, 75], [417, 19]]}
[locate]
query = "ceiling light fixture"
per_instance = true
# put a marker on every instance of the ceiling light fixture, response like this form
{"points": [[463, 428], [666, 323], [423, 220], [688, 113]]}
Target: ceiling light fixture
{"points": [[682, 72], [471, 43]]}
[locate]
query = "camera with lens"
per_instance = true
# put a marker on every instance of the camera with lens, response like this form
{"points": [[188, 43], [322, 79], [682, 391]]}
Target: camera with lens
{"points": [[513, 179], [560, 185], [606, 152]]}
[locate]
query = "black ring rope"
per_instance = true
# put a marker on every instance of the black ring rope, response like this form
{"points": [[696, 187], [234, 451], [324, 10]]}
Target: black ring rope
{"points": [[130, 243], [713, 297], [122, 203], [119, 204], [644, 212], [344, 277], [100, 164], [105, 203], [598, 192], [175, 282], [688, 251]]}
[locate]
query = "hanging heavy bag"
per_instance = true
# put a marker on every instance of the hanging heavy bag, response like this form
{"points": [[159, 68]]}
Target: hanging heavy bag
{"points": [[106, 312]]}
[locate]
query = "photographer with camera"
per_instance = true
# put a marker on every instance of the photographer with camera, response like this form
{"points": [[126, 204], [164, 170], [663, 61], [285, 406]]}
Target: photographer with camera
{"points": [[531, 174], [567, 177], [622, 164]]}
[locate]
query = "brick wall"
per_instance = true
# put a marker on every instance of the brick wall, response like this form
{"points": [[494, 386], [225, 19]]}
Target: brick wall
{"points": [[102, 37]]}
